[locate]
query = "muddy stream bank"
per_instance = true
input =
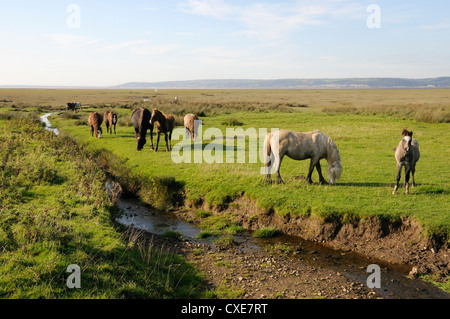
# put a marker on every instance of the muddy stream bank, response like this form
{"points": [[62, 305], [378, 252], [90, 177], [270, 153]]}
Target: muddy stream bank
{"points": [[395, 282]]}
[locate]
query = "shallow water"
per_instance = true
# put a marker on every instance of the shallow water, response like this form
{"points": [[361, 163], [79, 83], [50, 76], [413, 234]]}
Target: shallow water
{"points": [[48, 125]]}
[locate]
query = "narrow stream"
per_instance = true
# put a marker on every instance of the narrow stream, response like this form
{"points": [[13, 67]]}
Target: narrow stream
{"points": [[48, 125], [394, 280]]}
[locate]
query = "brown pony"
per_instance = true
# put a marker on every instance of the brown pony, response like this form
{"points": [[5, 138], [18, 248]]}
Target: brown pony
{"points": [[95, 121], [110, 118], [165, 125], [191, 125], [406, 154]]}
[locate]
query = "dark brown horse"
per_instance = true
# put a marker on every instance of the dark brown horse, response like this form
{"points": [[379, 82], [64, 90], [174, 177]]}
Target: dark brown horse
{"points": [[73, 106], [140, 119], [95, 121], [110, 118], [70, 106], [164, 124]]}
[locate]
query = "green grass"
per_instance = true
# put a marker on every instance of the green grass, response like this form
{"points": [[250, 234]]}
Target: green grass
{"points": [[365, 143], [365, 124], [55, 212], [265, 232]]}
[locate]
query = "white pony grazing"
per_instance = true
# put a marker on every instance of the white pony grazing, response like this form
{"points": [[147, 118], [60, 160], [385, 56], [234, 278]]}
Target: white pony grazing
{"points": [[300, 146]]}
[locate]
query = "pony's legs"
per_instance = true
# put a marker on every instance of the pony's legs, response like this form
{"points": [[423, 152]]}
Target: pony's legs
{"points": [[114, 128], [319, 170], [399, 173], [413, 170], [167, 142], [92, 131], [157, 141], [151, 139], [267, 166], [170, 141], [276, 165], [312, 164], [407, 174]]}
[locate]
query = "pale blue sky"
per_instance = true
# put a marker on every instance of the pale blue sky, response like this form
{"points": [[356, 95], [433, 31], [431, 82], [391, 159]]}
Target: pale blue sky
{"points": [[111, 42]]}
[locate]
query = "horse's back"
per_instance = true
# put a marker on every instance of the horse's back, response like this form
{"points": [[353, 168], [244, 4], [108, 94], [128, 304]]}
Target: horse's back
{"points": [[95, 119], [140, 117], [106, 117], [189, 120], [302, 145], [415, 149]]}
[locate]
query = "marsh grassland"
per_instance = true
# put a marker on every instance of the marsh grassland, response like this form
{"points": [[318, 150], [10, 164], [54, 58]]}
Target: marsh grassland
{"points": [[366, 125]]}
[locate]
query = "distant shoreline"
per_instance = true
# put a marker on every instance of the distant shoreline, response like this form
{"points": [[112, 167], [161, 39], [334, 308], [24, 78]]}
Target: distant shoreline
{"points": [[325, 83]]}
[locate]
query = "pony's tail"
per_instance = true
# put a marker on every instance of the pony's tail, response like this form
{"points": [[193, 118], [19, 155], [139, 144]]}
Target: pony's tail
{"points": [[267, 144], [267, 150]]}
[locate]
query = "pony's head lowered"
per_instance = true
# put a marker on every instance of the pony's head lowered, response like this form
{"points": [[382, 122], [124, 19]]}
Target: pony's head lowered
{"points": [[334, 162]]}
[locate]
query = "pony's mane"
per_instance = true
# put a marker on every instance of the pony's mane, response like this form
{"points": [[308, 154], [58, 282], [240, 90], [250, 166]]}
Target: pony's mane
{"points": [[141, 120], [405, 132]]}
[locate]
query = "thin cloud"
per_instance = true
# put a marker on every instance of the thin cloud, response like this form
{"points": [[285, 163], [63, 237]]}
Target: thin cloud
{"points": [[269, 21], [438, 26], [71, 41], [154, 49], [127, 44]]}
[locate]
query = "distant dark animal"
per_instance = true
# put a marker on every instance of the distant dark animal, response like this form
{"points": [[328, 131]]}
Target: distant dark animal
{"points": [[407, 154], [95, 121], [73, 106], [191, 123], [110, 119], [299, 146], [140, 119], [70, 106], [164, 124]]}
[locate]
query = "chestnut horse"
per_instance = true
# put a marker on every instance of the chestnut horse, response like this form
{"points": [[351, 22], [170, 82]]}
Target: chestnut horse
{"points": [[406, 154], [110, 118], [191, 126], [140, 119], [165, 124], [95, 121]]}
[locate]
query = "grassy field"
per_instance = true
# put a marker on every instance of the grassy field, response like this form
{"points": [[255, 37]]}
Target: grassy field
{"points": [[365, 124], [55, 212]]}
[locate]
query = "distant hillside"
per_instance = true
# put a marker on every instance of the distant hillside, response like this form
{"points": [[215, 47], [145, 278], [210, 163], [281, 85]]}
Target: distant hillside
{"points": [[363, 83]]}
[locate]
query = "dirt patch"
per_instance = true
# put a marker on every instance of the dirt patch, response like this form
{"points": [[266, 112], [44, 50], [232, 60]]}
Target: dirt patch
{"points": [[402, 241], [233, 273]]}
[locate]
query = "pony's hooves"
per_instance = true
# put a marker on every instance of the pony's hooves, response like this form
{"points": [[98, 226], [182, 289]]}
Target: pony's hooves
{"points": [[394, 193]]}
